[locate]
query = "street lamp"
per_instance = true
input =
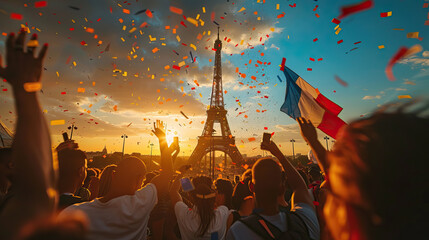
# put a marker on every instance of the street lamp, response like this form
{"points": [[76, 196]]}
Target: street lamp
{"points": [[327, 138], [71, 128], [123, 145], [293, 148]]}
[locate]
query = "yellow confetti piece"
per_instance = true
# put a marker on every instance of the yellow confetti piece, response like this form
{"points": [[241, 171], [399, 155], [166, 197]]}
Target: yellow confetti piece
{"points": [[33, 43], [57, 122], [182, 63], [338, 31], [74, 63], [242, 9], [272, 29], [81, 90], [204, 10], [193, 46], [32, 86], [178, 38], [404, 96], [151, 38], [413, 35], [132, 30], [277, 6], [193, 21], [381, 47]]}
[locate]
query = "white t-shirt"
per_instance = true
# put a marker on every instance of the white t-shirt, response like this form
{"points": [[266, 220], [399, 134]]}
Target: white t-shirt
{"points": [[240, 231], [189, 221], [124, 217]]}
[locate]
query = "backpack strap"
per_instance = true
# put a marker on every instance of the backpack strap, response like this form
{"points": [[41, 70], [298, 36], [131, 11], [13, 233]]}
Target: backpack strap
{"points": [[261, 227], [296, 227]]}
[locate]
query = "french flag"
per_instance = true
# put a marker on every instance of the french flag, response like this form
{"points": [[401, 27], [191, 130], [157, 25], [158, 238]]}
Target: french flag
{"points": [[303, 100]]}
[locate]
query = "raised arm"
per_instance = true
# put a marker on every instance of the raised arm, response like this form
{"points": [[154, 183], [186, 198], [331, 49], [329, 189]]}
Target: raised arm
{"points": [[294, 179], [34, 178], [308, 132], [162, 181]]}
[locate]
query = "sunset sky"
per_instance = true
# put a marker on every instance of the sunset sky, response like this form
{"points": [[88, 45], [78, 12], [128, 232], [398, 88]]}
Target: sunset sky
{"points": [[129, 81]]}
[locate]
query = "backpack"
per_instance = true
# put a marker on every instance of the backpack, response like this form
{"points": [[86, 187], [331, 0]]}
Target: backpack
{"points": [[235, 216], [296, 228]]}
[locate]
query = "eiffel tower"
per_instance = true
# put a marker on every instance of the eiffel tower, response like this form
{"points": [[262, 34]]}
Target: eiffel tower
{"points": [[216, 114]]}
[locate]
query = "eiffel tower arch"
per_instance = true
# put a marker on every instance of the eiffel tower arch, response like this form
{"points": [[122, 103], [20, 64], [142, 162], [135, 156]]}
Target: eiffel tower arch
{"points": [[216, 114]]}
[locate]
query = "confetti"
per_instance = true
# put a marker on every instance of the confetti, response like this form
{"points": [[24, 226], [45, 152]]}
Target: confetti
{"points": [[385, 14], [57, 122], [340, 81], [413, 35], [176, 10], [381, 47], [404, 96], [401, 53], [184, 115], [40, 4], [115, 108], [242, 9], [16, 16], [336, 21], [32, 86], [355, 8], [251, 139]]}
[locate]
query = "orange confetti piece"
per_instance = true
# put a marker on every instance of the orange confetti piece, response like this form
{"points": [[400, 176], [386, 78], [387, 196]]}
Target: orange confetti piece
{"points": [[126, 11], [251, 139], [115, 107], [57, 122], [155, 50], [176, 10]]}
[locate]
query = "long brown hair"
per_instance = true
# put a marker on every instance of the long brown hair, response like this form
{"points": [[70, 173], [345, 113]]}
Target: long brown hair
{"points": [[204, 201]]}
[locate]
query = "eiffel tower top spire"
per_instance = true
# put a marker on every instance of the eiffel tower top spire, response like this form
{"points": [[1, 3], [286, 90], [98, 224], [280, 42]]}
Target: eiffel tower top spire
{"points": [[217, 94]]}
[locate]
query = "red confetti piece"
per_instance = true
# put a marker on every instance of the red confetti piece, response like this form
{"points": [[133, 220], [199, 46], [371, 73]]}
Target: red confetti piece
{"points": [[314, 40], [389, 73], [340, 41], [213, 16], [281, 15], [63, 93], [315, 8], [149, 13], [336, 21], [16, 16], [384, 14], [176, 67], [309, 69], [40, 4], [357, 42], [83, 43], [320, 59], [283, 64], [340, 81], [355, 8], [312, 59]]}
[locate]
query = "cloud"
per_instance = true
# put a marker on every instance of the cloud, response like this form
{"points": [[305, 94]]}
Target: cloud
{"points": [[425, 54], [400, 89], [422, 61], [371, 97]]}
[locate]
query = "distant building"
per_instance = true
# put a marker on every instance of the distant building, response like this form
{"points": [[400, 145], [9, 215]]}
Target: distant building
{"points": [[91, 155]]}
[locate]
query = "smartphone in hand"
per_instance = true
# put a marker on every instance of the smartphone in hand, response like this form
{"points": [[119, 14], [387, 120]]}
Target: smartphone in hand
{"points": [[65, 136], [266, 138], [187, 185]]}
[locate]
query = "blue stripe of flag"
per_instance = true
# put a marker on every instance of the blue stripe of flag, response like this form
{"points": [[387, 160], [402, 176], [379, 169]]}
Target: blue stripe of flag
{"points": [[293, 94]]}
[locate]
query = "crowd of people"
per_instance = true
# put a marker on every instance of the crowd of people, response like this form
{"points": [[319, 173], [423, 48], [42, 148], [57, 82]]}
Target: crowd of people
{"points": [[371, 185]]}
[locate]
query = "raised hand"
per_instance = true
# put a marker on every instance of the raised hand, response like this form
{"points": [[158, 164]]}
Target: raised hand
{"points": [[270, 146], [22, 66], [308, 131], [159, 129]]}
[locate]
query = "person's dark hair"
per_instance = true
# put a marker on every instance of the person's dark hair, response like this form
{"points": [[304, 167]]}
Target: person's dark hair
{"points": [[268, 180], [315, 173], [70, 161], [224, 186], [386, 156], [241, 191], [203, 198], [149, 177]]}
